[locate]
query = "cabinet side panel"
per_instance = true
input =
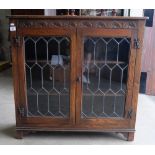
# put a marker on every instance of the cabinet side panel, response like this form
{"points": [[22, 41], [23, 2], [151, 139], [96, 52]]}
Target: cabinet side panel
{"points": [[140, 30], [15, 72]]}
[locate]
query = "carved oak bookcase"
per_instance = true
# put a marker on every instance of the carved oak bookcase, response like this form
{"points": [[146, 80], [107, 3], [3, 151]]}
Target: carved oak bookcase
{"points": [[76, 73]]}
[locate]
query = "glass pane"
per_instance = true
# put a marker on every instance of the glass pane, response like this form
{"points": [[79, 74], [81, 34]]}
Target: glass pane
{"points": [[104, 78], [47, 65]]}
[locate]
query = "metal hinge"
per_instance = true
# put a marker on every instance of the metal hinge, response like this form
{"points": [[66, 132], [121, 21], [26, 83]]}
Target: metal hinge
{"points": [[21, 111], [130, 113], [136, 43]]}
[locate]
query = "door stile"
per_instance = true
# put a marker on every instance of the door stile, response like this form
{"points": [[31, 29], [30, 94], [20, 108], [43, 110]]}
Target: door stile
{"points": [[22, 80], [129, 84]]}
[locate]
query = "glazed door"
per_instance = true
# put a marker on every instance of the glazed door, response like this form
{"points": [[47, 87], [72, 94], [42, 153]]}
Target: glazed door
{"points": [[47, 84], [105, 70]]}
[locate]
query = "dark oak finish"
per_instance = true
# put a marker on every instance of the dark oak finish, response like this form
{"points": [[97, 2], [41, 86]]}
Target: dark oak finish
{"points": [[76, 28], [109, 33]]}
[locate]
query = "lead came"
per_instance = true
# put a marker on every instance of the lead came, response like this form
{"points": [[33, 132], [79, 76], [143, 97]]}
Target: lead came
{"points": [[47, 63], [105, 68]]}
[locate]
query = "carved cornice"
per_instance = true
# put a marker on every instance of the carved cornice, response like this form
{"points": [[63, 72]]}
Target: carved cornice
{"points": [[45, 23], [108, 24]]}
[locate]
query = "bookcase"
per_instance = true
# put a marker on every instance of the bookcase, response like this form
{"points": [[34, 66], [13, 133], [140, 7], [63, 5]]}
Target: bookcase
{"points": [[75, 73]]}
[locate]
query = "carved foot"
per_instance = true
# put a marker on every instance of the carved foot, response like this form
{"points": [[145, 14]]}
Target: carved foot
{"points": [[128, 135]]}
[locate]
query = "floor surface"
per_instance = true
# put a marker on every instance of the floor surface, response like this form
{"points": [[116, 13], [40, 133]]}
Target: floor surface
{"points": [[145, 125]]}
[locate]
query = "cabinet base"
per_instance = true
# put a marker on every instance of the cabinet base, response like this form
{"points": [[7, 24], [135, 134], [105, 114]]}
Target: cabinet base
{"points": [[129, 136]]}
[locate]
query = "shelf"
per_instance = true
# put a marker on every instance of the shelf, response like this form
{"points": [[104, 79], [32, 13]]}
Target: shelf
{"points": [[91, 62], [108, 62], [40, 61], [46, 62]]}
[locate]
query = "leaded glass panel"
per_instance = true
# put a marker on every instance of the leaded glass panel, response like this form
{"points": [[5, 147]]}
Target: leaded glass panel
{"points": [[47, 65], [104, 76]]}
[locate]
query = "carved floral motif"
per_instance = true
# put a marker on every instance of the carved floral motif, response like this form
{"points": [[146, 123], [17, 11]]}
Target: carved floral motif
{"points": [[109, 24]]}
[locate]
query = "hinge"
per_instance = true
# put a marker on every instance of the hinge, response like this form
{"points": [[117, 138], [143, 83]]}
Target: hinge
{"points": [[130, 113], [21, 111], [16, 41], [136, 43]]}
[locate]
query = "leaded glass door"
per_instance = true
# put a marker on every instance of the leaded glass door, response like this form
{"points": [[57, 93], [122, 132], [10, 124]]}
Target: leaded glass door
{"points": [[105, 77], [48, 64]]}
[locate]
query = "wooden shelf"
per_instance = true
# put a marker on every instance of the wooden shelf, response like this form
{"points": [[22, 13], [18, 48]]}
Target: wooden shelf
{"points": [[38, 61], [108, 62], [97, 62], [46, 62]]}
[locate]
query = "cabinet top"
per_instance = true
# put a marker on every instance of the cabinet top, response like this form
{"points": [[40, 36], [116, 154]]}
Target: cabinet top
{"points": [[66, 17]]}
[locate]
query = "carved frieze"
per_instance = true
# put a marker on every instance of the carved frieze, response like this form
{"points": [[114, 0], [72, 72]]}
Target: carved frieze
{"points": [[108, 24]]}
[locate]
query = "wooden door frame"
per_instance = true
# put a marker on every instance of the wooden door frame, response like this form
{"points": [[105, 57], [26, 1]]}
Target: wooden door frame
{"points": [[106, 123], [46, 121]]}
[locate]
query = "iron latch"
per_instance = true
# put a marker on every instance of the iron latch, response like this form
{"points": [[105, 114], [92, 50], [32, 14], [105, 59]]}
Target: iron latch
{"points": [[130, 113]]}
